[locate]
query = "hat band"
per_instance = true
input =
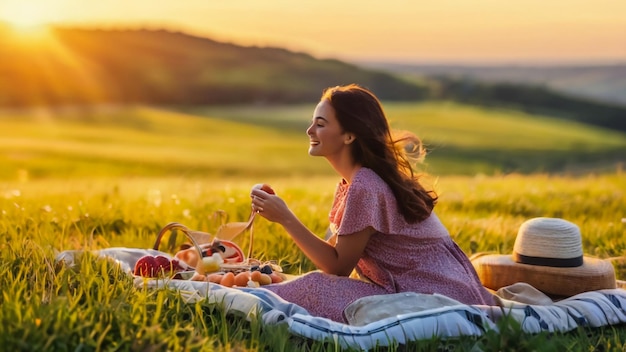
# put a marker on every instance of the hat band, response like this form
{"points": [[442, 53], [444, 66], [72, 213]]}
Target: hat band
{"points": [[554, 262]]}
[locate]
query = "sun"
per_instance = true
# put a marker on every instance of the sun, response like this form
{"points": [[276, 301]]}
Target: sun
{"points": [[24, 14], [28, 19]]}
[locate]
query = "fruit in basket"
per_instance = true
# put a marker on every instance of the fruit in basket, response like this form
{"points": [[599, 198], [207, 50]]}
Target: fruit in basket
{"points": [[233, 253], [228, 250], [265, 280], [155, 266], [266, 269], [212, 264], [256, 276], [178, 266], [264, 187], [163, 265], [276, 278], [242, 279], [215, 278], [228, 279], [146, 266]]}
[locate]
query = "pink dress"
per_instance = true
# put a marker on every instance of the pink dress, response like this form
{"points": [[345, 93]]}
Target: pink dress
{"points": [[399, 257]]}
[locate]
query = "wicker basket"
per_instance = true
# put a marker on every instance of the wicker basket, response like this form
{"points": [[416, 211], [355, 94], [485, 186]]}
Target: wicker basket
{"points": [[197, 238]]}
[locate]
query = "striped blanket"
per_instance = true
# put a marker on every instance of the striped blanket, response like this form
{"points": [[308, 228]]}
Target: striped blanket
{"points": [[587, 309]]}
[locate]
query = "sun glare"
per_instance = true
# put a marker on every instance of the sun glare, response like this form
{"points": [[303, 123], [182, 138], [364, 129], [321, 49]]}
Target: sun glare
{"points": [[27, 19], [22, 14]]}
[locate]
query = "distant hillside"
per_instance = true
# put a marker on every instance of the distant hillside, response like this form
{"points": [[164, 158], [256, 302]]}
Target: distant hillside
{"points": [[531, 99], [245, 141], [603, 83], [163, 67], [158, 67], [556, 91]]}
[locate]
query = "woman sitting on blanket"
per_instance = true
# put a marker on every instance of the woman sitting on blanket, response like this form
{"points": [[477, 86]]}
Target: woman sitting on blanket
{"points": [[382, 218]]}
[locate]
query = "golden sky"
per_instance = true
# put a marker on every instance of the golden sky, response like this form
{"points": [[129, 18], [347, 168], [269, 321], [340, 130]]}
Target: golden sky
{"points": [[442, 31]]}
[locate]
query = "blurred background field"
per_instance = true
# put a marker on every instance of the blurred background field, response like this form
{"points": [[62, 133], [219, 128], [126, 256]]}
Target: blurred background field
{"points": [[262, 141]]}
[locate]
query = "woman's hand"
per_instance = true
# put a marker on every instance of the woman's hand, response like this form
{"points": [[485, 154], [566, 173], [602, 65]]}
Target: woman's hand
{"points": [[267, 204], [338, 256]]}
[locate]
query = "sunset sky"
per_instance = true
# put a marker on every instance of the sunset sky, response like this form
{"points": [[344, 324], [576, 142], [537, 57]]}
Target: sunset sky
{"points": [[443, 31]]}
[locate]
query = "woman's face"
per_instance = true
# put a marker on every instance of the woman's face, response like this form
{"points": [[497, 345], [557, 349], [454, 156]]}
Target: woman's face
{"points": [[326, 136]]}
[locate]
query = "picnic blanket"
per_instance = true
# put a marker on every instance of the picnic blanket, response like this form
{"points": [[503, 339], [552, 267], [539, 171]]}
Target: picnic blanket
{"points": [[587, 309]]}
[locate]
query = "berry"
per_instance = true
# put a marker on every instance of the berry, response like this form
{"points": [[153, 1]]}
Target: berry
{"points": [[266, 269]]}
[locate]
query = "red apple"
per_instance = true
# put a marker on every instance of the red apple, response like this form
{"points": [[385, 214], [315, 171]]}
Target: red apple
{"points": [[146, 266], [178, 266], [264, 187], [163, 264]]}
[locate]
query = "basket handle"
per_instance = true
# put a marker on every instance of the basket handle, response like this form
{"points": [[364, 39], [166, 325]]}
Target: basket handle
{"points": [[184, 229]]}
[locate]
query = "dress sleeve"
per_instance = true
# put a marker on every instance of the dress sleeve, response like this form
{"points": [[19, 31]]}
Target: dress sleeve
{"points": [[370, 203]]}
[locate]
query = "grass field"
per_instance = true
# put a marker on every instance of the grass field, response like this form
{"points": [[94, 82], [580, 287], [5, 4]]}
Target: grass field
{"points": [[271, 142], [89, 180]]}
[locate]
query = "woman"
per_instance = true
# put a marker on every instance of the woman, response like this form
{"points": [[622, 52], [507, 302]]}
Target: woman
{"points": [[382, 219]]}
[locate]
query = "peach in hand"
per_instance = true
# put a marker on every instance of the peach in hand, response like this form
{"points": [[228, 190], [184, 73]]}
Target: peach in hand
{"points": [[264, 187]]}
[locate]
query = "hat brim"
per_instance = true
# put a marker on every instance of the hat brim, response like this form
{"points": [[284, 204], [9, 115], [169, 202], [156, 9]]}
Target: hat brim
{"points": [[496, 271]]}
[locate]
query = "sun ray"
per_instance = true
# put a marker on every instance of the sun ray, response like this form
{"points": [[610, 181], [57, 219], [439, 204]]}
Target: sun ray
{"points": [[48, 72], [85, 73]]}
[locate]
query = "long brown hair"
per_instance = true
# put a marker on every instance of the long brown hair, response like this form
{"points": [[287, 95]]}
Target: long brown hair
{"points": [[359, 112]]}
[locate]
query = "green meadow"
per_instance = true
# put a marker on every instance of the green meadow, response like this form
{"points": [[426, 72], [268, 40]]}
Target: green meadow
{"points": [[271, 142], [114, 176]]}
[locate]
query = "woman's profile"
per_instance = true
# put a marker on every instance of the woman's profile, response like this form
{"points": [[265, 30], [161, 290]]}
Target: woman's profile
{"points": [[381, 221]]}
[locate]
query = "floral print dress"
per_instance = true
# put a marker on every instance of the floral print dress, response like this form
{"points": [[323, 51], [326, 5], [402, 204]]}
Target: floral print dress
{"points": [[399, 257]]}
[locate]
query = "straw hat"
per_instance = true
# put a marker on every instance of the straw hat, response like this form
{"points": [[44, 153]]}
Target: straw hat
{"points": [[548, 255]]}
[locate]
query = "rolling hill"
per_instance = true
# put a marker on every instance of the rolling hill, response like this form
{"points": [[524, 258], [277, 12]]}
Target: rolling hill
{"points": [[83, 66], [586, 93], [230, 142], [603, 83]]}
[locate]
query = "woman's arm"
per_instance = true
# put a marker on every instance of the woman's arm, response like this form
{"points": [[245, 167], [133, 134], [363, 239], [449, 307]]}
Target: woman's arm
{"points": [[339, 259]]}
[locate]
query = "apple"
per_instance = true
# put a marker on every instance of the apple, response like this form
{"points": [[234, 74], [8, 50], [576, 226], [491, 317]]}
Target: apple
{"points": [[146, 266], [154, 266], [177, 265], [163, 265], [264, 187]]}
